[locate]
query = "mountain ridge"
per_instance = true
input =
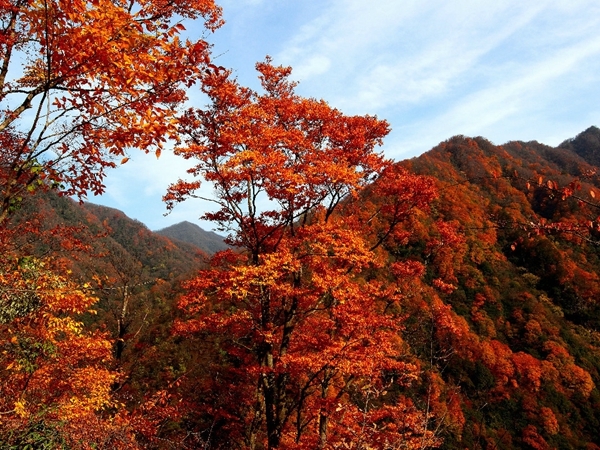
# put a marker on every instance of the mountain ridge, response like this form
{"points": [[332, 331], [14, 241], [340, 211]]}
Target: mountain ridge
{"points": [[208, 241], [525, 288], [503, 321]]}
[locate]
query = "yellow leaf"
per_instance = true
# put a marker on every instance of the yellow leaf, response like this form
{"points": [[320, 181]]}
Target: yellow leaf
{"points": [[20, 409], [593, 194], [124, 160], [157, 153]]}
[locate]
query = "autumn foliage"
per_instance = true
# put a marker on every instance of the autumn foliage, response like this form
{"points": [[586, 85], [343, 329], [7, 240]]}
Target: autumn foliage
{"points": [[56, 375], [81, 83], [515, 335], [313, 341], [445, 301]]}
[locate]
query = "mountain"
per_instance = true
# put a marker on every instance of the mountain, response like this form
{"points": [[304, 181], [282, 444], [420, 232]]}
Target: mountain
{"points": [[146, 245], [135, 273], [518, 347], [101, 230], [586, 145], [500, 327], [188, 232]]}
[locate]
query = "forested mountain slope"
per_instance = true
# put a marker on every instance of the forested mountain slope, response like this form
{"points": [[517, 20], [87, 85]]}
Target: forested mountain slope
{"points": [[522, 356], [97, 238], [488, 287], [207, 241], [134, 273]]}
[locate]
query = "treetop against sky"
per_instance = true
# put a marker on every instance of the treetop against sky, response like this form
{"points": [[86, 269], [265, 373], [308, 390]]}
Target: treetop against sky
{"points": [[506, 71]]}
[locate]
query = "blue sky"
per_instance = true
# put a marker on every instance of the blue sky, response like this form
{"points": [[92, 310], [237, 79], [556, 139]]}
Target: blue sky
{"points": [[502, 69]]}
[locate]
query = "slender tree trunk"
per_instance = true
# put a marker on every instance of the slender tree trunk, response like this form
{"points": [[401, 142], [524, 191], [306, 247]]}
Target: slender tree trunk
{"points": [[273, 428], [3, 215], [323, 421], [267, 377], [121, 326], [323, 416], [258, 416]]}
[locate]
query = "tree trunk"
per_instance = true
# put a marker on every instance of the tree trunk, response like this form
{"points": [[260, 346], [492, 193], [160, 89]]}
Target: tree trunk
{"points": [[323, 415], [121, 326]]}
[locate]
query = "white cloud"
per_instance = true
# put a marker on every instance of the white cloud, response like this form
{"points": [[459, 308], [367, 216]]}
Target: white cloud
{"points": [[381, 53], [506, 69], [530, 86], [138, 186], [389, 52], [316, 65]]}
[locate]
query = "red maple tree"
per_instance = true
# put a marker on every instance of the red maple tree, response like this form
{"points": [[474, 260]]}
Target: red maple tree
{"points": [[83, 82], [313, 341]]}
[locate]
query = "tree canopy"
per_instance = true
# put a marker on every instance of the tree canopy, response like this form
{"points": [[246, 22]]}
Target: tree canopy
{"points": [[82, 82]]}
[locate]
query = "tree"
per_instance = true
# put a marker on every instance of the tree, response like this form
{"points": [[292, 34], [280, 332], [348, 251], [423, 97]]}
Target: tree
{"points": [[82, 82], [56, 378], [311, 340]]}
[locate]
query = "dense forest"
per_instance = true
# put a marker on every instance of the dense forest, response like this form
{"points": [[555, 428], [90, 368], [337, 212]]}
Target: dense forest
{"points": [[487, 337], [448, 301]]}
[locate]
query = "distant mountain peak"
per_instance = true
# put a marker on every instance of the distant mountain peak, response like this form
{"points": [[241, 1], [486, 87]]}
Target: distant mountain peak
{"points": [[191, 233], [586, 144]]}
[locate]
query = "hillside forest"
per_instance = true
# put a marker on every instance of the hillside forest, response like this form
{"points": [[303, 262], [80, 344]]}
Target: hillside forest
{"points": [[447, 301]]}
